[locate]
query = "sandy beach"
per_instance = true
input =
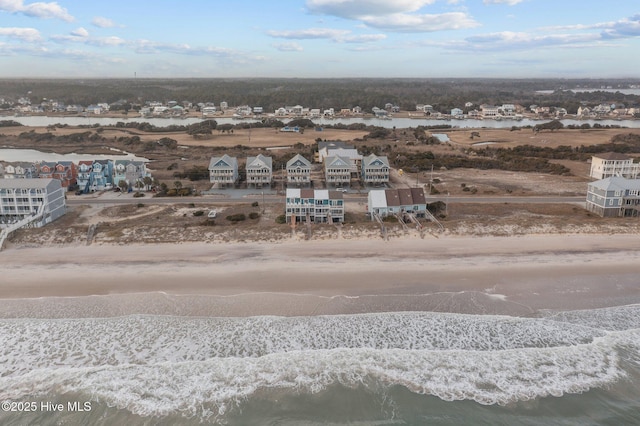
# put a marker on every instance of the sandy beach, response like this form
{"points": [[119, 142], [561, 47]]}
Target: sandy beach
{"points": [[500, 275]]}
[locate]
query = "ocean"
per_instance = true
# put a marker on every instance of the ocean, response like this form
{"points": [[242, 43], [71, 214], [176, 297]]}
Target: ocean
{"points": [[384, 368]]}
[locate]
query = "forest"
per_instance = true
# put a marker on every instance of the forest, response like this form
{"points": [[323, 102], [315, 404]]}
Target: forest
{"points": [[443, 94]]}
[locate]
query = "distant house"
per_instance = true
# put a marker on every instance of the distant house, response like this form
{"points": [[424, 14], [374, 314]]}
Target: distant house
{"points": [[298, 171], [102, 173], [66, 172], [259, 170], [386, 202], [129, 171], [456, 112], [337, 171], [21, 198], [375, 170], [614, 197], [489, 111], [613, 164], [314, 205], [223, 171], [84, 175], [20, 170]]}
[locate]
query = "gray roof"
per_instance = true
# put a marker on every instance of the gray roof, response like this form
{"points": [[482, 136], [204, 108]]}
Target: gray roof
{"points": [[336, 161], [259, 162], [370, 159], [216, 162], [299, 158], [333, 144], [49, 184], [616, 183]]}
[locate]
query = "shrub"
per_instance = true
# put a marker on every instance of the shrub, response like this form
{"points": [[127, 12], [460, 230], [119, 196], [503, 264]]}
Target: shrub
{"points": [[198, 213], [138, 194], [254, 204], [281, 219], [390, 219], [140, 205], [238, 217], [254, 215]]}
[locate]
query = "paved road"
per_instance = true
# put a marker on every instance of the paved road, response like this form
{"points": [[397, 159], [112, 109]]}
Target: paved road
{"points": [[280, 199]]}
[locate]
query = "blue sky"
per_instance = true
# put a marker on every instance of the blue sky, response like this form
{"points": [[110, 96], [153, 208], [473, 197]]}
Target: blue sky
{"points": [[320, 38]]}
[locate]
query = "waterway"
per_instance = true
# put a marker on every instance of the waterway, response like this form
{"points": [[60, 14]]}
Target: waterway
{"points": [[400, 123]]}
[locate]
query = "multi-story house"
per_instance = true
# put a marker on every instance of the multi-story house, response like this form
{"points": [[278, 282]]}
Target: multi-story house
{"points": [[223, 171], [613, 164], [314, 205], [102, 175], [614, 196], [66, 172], [22, 198], [259, 170], [130, 171], [84, 175], [489, 111], [355, 159], [298, 171], [375, 170], [386, 202], [337, 171]]}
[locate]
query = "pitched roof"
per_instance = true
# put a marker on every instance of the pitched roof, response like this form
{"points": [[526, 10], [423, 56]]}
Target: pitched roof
{"points": [[375, 160], [300, 160], [259, 162], [337, 161], [225, 161], [404, 197], [616, 183]]}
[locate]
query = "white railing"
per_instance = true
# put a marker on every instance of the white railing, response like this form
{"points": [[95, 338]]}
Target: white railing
{"points": [[21, 223]]}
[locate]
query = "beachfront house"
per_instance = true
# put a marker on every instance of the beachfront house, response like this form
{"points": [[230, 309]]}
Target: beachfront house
{"points": [[355, 158], [391, 202], [614, 197], [337, 171], [298, 171], [613, 164], [314, 206], [375, 170], [223, 171], [259, 170], [22, 198]]}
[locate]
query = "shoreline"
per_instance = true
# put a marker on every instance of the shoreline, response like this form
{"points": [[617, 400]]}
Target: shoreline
{"points": [[489, 275]]}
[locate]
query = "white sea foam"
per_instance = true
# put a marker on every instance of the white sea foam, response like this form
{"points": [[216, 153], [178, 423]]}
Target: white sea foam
{"points": [[155, 365]]}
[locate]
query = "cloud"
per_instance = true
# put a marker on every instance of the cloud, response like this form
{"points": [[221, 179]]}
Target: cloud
{"points": [[288, 47], [337, 36], [37, 10], [393, 16], [402, 22], [80, 32], [354, 9], [102, 22], [24, 34], [507, 2]]}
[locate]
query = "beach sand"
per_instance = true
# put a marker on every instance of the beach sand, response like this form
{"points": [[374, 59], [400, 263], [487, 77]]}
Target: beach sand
{"points": [[488, 275]]}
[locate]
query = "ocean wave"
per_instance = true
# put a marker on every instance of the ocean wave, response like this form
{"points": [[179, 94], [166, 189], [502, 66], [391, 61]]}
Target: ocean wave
{"points": [[28, 344], [159, 365]]}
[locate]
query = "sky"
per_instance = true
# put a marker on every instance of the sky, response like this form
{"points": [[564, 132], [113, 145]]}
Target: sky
{"points": [[320, 38]]}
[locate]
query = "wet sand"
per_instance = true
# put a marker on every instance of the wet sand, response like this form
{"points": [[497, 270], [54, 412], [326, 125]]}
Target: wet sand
{"points": [[489, 275]]}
